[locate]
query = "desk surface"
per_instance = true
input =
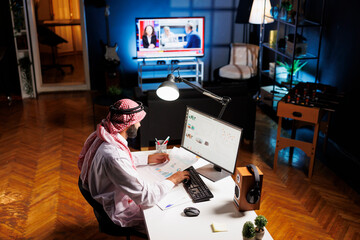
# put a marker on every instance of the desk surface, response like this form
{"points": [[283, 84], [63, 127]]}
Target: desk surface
{"points": [[173, 224]]}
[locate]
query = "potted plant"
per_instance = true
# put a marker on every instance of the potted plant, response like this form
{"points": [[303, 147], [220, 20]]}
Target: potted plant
{"points": [[114, 91], [289, 68], [248, 231], [260, 223], [274, 11]]}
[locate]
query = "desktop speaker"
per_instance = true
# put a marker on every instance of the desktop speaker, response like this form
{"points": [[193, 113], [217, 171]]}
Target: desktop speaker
{"points": [[248, 183]]}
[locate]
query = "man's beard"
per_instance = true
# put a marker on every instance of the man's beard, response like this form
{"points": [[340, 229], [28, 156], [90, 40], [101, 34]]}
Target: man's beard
{"points": [[132, 131]]}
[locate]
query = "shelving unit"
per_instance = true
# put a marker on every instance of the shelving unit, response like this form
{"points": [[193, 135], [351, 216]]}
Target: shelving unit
{"points": [[21, 33], [151, 73], [298, 26]]}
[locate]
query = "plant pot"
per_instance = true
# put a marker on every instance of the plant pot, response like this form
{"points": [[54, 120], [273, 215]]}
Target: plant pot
{"points": [[259, 235], [288, 78], [245, 238]]}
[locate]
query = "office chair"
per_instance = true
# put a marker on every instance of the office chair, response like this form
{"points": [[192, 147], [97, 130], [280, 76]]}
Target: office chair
{"points": [[106, 225], [49, 38]]}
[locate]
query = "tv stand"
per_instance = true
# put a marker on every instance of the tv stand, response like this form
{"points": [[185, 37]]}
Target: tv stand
{"points": [[151, 74]]}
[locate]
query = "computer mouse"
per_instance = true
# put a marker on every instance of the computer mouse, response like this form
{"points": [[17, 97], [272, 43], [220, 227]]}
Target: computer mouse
{"points": [[191, 212]]}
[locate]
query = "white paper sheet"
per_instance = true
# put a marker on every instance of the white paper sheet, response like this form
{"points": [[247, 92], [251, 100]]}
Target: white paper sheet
{"points": [[180, 159], [176, 197]]}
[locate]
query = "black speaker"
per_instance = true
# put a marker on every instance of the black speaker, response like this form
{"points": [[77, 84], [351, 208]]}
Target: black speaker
{"points": [[243, 11]]}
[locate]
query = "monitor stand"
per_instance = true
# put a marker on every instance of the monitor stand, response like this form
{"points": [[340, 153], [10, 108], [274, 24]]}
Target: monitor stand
{"points": [[213, 173]]}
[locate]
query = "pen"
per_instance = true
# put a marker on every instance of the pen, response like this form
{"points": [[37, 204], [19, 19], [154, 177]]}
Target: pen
{"points": [[157, 141], [166, 140]]}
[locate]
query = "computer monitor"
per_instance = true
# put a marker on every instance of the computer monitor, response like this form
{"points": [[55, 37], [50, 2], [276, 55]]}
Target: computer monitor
{"points": [[213, 140]]}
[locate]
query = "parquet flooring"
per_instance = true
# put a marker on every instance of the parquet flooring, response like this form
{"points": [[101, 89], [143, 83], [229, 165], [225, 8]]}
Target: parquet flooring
{"points": [[39, 199], [53, 75]]}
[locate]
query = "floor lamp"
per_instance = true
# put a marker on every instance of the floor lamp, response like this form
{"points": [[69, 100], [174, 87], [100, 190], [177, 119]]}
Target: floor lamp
{"points": [[259, 10]]}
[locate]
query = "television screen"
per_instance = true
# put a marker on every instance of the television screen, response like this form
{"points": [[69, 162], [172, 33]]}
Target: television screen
{"points": [[170, 37]]}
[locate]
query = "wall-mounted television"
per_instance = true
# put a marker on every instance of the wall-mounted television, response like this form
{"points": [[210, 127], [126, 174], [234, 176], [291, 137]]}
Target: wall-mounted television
{"points": [[170, 37]]}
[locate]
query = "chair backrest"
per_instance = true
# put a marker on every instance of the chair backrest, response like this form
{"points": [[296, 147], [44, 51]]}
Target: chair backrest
{"points": [[87, 195], [244, 54], [106, 225]]}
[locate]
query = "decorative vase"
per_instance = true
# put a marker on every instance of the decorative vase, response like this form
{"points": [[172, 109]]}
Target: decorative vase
{"points": [[272, 38], [274, 12], [283, 14], [259, 235]]}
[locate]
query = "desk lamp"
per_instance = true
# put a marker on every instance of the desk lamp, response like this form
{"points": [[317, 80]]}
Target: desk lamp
{"points": [[168, 91]]}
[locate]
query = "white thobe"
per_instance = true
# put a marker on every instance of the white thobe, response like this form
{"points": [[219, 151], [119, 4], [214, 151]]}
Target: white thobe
{"points": [[115, 184]]}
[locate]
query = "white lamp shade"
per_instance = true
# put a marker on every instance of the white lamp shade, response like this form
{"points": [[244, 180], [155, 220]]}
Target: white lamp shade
{"points": [[257, 12], [168, 91]]}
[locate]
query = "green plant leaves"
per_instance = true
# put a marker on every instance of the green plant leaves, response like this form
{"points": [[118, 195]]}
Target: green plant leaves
{"points": [[288, 67]]}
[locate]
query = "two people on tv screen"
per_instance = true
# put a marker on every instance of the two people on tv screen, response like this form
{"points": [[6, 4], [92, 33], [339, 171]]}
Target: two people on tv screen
{"points": [[192, 37]]}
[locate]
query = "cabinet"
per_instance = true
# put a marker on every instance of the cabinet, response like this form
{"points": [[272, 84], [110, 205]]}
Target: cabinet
{"points": [[297, 42], [21, 33], [151, 73]]}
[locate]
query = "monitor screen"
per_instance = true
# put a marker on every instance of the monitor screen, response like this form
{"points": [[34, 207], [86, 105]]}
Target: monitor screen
{"points": [[169, 37], [211, 139]]}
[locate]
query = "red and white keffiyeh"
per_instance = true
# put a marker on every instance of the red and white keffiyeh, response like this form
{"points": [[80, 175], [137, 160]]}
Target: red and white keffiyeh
{"points": [[107, 131]]}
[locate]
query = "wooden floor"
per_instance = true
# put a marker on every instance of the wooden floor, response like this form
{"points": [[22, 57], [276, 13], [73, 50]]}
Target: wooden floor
{"points": [[52, 75], [39, 199]]}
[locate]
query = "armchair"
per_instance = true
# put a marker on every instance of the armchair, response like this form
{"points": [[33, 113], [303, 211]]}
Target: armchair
{"points": [[243, 62]]}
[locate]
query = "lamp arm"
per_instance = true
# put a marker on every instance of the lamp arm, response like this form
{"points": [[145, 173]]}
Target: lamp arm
{"points": [[225, 103], [223, 100]]}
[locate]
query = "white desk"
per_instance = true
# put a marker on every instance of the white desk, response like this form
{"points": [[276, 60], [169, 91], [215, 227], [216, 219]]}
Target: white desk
{"points": [[173, 224]]}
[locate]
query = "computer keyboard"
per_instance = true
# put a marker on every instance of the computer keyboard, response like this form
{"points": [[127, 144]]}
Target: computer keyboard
{"points": [[196, 188]]}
